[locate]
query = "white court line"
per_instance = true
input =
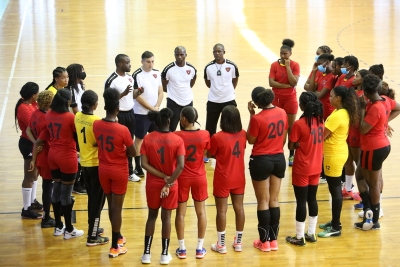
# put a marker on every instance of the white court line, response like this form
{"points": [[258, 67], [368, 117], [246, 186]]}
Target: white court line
{"points": [[3, 110]]}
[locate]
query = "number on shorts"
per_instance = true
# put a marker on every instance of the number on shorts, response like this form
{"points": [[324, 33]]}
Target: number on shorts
{"points": [[275, 129], [58, 125], [191, 155], [328, 167], [161, 151], [318, 137], [236, 151], [84, 134], [109, 143]]}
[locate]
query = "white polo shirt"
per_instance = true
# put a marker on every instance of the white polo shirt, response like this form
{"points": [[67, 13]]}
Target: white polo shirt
{"points": [[178, 87], [221, 89], [120, 83], [149, 81]]}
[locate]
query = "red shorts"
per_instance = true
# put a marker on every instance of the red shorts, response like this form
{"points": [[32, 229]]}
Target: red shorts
{"points": [[42, 164], [66, 163], [288, 103], [224, 192], [113, 181], [198, 186], [354, 137], [153, 195], [305, 180]]}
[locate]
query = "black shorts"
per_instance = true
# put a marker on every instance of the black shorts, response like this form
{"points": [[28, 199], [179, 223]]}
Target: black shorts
{"points": [[127, 118], [143, 126], [262, 166], [25, 147], [372, 159], [65, 177]]}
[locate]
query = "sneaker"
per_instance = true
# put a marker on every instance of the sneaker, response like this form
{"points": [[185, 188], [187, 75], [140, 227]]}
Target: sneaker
{"points": [[264, 247], [329, 224], [200, 253], [74, 233], [380, 212], [237, 246], [121, 241], [181, 253], [79, 190], [206, 160], [329, 231], [310, 238], [36, 205], [59, 231], [359, 225], [165, 259], [359, 206], [273, 244], [97, 241], [322, 180], [295, 241], [100, 231], [368, 220], [146, 258], [361, 214], [350, 195], [48, 223], [134, 178], [139, 172], [219, 249], [291, 159], [30, 214], [376, 226], [115, 252]]}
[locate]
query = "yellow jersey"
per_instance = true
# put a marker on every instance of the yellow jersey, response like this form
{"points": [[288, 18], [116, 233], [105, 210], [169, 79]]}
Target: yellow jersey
{"points": [[86, 139], [53, 90], [338, 123]]}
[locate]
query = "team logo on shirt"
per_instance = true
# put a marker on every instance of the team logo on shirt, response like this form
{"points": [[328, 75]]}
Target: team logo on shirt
{"points": [[188, 72], [228, 69], [155, 75]]}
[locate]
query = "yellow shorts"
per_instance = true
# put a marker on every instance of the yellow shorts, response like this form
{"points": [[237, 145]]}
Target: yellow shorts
{"points": [[333, 165]]}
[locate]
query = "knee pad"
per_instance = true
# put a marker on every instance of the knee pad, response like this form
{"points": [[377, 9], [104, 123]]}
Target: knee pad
{"points": [[66, 191], [56, 196]]}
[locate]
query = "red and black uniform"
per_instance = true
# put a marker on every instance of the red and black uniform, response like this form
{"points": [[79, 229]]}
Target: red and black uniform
{"points": [[307, 165], [343, 81], [267, 157], [38, 125], [375, 146], [24, 114], [327, 81], [193, 177], [354, 131], [284, 97], [162, 150], [112, 139], [228, 149]]}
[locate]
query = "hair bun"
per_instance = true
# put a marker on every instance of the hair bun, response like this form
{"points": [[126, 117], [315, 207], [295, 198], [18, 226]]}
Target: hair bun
{"points": [[288, 42]]}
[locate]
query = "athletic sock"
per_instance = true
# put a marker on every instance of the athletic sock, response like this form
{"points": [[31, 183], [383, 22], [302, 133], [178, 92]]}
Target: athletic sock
{"points": [[291, 153], [200, 242], [300, 226], [165, 245], [375, 211], [264, 222], [349, 182], [26, 197], [33, 194], [137, 162], [148, 239], [114, 240], [312, 224], [221, 238], [181, 244], [239, 235]]}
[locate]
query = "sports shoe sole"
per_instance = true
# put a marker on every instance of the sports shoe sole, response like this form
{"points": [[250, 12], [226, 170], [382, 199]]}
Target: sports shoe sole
{"points": [[368, 220], [88, 244]]}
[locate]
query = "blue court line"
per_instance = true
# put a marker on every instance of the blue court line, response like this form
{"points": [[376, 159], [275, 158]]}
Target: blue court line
{"points": [[3, 6]]}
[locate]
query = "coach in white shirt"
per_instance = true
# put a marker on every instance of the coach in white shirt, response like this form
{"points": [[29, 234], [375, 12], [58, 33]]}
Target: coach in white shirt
{"points": [[150, 80], [221, 76], [178, 79]]}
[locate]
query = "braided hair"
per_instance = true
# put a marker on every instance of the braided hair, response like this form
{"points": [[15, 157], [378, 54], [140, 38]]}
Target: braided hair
{"points": [[27, 91], [56, 73], [326, 49], [161, 117], [74, 73], [313, 108]]}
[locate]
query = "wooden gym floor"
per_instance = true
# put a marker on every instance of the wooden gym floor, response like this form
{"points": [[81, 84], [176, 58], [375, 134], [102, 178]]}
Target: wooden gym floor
{"points": [[37, 36]]}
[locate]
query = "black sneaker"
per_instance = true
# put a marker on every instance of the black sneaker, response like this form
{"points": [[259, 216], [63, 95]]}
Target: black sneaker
{"points": [[310, 238], [376, 226], [36, 205], [359, 225], [30, 214], [79, 190], [100, 231], [139, 172], [97, 241], [295, 241], [49, 223]]}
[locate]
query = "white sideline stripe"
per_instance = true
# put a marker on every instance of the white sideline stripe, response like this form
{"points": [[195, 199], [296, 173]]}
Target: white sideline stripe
{"points": [[3, 110]]}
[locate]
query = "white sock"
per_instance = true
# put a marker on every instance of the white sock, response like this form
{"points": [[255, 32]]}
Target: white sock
{"points": [[33, 194], [380, 198], [300, 226], [182, 244], [221, 238], [200, 242], [312, 224], [26, 197], [239, 235], [349, 182]]}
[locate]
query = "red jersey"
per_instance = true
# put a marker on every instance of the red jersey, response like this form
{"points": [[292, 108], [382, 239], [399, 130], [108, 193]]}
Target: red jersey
{"points": [[308, 157], [375, 115], [60, 132], [195, 143], [229, 149], [327, 81], [342, 81], [24, 114], [389, 104], [279, 74], [38, 125], [112, 139], [268, 127], [162, 149]]}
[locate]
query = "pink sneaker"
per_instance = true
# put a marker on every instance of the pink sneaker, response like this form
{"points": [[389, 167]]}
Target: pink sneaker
{"points": [[350, 195], [237, 246], [264, 247], [219, 249], [273, 245]]}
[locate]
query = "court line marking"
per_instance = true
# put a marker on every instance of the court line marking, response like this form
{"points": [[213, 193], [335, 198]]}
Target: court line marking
{"points": [[3, 110]]}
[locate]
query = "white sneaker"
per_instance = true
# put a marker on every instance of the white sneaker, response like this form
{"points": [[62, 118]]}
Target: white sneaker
{"points": [[58, 231], [380, 212], [322, 180], [146, 258], [368, 220], [73, 234], [134, 178], [165, 259]]}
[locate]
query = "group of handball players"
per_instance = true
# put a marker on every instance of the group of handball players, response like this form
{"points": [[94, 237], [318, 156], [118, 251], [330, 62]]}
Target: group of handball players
{"points": [[342, 133]]}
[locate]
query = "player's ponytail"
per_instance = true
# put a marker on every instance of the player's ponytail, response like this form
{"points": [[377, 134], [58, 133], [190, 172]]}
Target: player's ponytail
{"points": [[61, 101], [191, 115], [27, 91], [56, 73], [161, 118]]}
